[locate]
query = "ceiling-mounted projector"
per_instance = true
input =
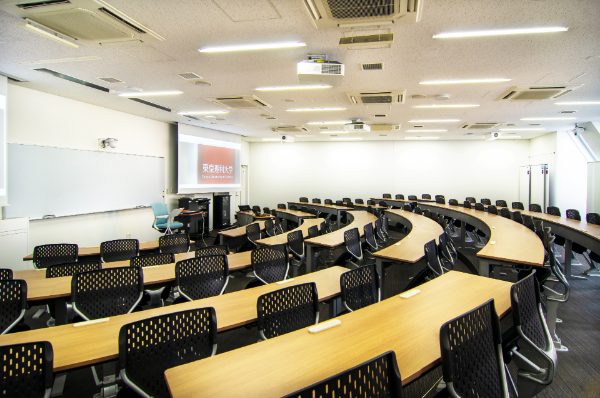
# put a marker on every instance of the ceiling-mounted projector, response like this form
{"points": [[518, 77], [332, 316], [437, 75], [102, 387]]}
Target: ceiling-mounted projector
{"points": [[357, 126], [319, 69]]}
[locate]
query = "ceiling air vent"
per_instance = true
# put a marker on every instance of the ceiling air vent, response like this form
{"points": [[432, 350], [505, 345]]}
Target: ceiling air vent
{"points": [[348, 13], [241, 102], [535, 93], [372, 66], [380, 97], [40, 4], [290, 130], [189, 76], [480, 126], [111, 80], [380, 40]]}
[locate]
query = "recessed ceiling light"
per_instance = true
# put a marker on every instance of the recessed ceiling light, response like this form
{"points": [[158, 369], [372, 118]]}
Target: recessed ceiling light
{"points": [[139, 94], [202, 113], [434, 121], [499, 32], [577, 103], [49, 33], [334, 132], [329, 109], [252, 47], [523, 129], [435, 106], [426, 131], [346, 139], [540, 119], [423, 138], [329, 123], [297, 87], [463, 81]]}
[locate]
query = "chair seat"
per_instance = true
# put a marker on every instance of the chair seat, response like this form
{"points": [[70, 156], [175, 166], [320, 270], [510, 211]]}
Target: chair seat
{"points": [[173, 225]]}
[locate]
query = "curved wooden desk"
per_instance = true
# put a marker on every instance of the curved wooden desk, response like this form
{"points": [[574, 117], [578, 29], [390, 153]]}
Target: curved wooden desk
{"points": [[248, 217], [292, 215], [95, 343], [279, 366], [281, 239], [238, 232], [323, 208], [360, 218], [95, 250]]}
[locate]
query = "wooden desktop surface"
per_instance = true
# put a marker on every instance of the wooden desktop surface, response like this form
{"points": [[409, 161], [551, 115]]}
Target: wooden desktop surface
{"points": [[41, 288], [95, 250], [322, 205], [240, 231], [336, 238], [591, 230], [284, 364], [259, 216], [91, 344], [295, 213], [282, 238], [411, 248]]}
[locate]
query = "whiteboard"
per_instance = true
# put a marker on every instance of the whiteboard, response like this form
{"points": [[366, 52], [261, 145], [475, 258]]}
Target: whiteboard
{"points": [[45, 181]]}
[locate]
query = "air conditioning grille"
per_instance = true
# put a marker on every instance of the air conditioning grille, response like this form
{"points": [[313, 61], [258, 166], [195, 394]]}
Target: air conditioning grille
{"points": [[381, 99], [331, 69], [347, 9], [38, 4]]}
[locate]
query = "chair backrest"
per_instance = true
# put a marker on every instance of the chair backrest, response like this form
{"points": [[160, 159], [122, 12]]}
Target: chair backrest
{"points": [[150, 346], [517, 217], [399, 196], [295, 242], [316, 200], [370, 202], [346, 200], [70, 269], [553, 210], [266, 210], [359, 201], [253, 232], [440, 200], [281, 206], [119, 249], [328, 201], [387, 196], [479, 206], [593, 218], [501, 203], [377, 377], [160, 209], [527, 312], [535, 208], [323, 228], [107, 292], [467, 204], [412, 197], [269, 227], [256, 210], [439, 196], [202, 277], [270, 263], [504, 212], [517, 205], [453, 202], [212, 251], [26, 370], [6, 273], [471, 354], [174, 243], [370, 237], [445, 251], [313, 231], [150, 260], [492, 209], [407, 207], [293, 207], [573, 214], [432, 259], [55, 253], [339, 203], [426, 196], [285, 310], [418, 210], [352, 242], [303, 199], [244, 207], [528, 222], [360, 287], [470, 199], [13, 303], [486, 201]]}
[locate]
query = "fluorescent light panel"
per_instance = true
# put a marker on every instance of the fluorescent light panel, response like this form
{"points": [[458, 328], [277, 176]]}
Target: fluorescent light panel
{"points": [[522, 129], [139, 94], [577, 103], [333, 132], [500, 32], [346, 139], [448, 106], [329, 123], [329, 109], [252, 47], [292, 88], [434, 121], [423, 138], [49, 33], [464, 81], [542, 119], [426, 131], [201, 113]]}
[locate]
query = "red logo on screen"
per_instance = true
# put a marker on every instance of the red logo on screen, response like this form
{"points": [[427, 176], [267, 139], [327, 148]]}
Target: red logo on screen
{"points": [[216, 165]]}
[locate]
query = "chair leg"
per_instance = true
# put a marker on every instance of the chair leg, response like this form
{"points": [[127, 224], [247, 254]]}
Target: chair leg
{"points": [[552, 313]]}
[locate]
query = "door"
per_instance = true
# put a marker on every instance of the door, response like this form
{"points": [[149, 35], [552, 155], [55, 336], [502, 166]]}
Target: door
{"points": [[525, 185], [539, 185]]}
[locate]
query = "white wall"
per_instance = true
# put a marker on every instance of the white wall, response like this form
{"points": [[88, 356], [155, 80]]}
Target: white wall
{"points": [[542, 150], [38, 118], [282, 172], [571, 174]]}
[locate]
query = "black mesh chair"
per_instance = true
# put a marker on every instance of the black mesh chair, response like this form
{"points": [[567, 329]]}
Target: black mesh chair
{"points": [[439, 197], [56, 253], [440, 200], [517, 205], [486, 201], [387, 196], [120, 249], [532, 348], [504, 212], [70, 269], [303, 199], [216, 250], [453, 202], [201, 277], [107, 292], [174, 243], [467, 204], [285, 310], [151, 260], [370, 239], [6, 273], [425, 196], [339, 203], [316, 200], [359, 201], [313, 231], [407, 207], [470, 199], [26, 370], [295, 244], [472, 361], [501, 203], [353, 246], [479, 206], [293, 207], [328, 202], [244, 208], [269, 227], [13, 303], [281, 206], [256, 210], [266, 210], [412, 197], [555, 211], [399, 196], [270, 263], [447, 253], [253, 233], [360, 287], [535, 208], [377, 377], [433, 261], [150, 346], [593, 218], [492, 209], [518, 217], [346, 200]]}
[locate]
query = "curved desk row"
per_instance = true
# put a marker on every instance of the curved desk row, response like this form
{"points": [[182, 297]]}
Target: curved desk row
{"points": [[72, 348], [281, 239], [238, 232], [323, 208], [296, 216], [248, 217], [95, 250]]}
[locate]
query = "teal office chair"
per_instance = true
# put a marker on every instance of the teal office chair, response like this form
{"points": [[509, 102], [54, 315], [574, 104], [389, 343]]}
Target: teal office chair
{"points": [[164, 221]]}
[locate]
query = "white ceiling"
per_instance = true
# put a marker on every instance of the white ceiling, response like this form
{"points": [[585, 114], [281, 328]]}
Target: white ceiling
{"points": [[570, 58]]}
